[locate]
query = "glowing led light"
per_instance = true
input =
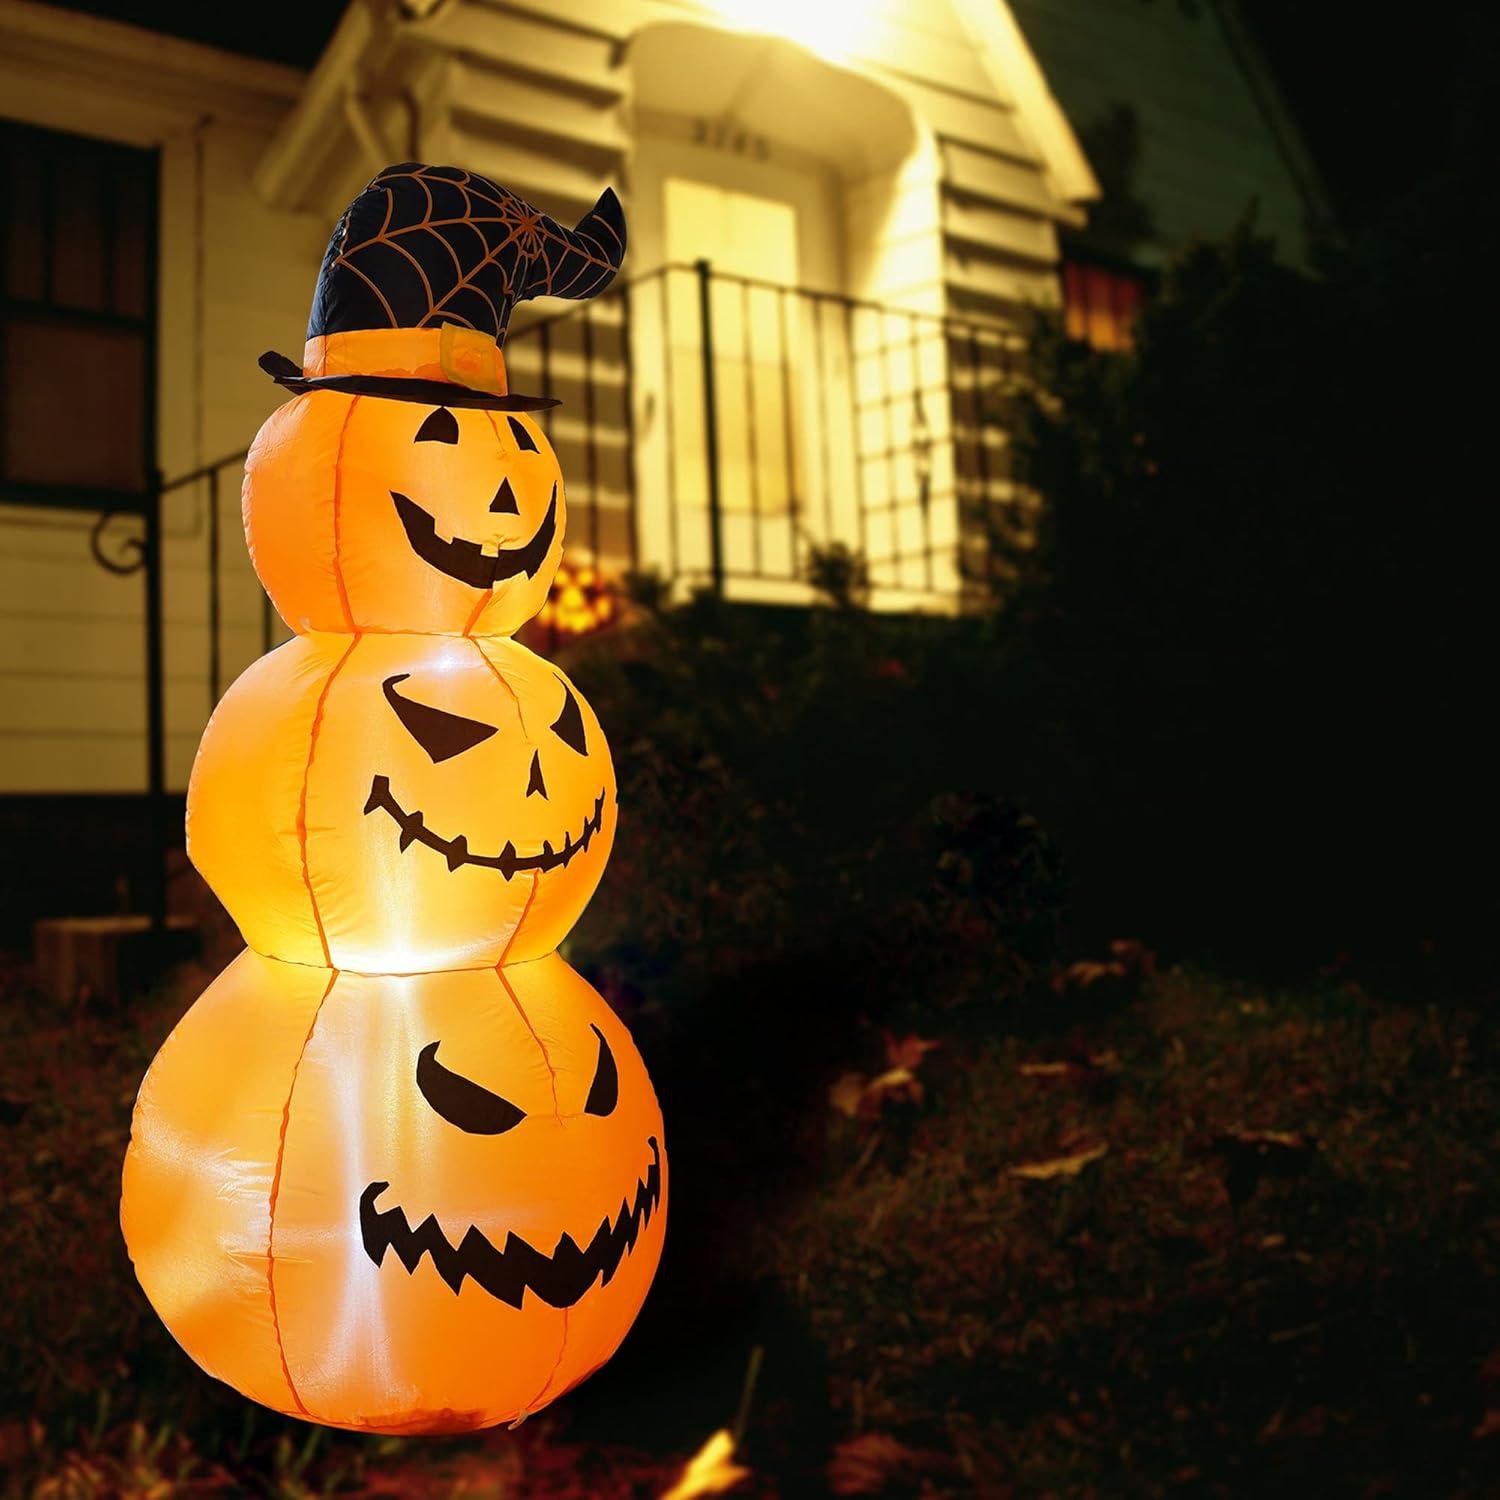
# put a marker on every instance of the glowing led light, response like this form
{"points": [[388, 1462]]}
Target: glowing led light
{"points": [[833, 29], [580, 600]]}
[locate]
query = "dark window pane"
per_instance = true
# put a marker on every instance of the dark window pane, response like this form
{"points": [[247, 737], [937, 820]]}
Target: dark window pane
{"points": [[24, 222], [74, 405], [78, 242], [132, 235]]}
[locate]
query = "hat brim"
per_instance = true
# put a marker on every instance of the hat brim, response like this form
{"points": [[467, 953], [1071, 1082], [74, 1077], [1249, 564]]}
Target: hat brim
{"points": [[397, 388]]}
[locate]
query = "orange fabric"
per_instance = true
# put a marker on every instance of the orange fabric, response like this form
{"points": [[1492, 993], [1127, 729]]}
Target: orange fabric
{"points": [[326, 531], [464, 355], [400, 1169]]}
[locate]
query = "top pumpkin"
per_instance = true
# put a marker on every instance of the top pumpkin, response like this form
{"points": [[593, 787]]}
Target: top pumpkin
{"points": [[407, 488], [364, 514]]}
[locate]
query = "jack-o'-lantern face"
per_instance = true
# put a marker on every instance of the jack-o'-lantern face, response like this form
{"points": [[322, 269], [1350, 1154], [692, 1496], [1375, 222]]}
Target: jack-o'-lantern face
{"points": [[509, 1267], [403, 804], [470, 1192], [371, 514]]}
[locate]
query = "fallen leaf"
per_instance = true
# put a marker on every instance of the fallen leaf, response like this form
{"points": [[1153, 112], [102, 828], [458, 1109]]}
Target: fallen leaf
{"points": [[857, 1097], [846, 1094], [907, 1051], [710, 1471], [891, 1080], [1059, 1166]]}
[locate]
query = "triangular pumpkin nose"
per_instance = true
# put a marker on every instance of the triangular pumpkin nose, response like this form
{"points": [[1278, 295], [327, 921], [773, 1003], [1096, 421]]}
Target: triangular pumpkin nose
{"points": [[504, 502], [536, 784]]}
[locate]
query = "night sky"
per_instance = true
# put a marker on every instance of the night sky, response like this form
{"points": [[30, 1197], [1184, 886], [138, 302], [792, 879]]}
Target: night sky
{"points": [[1372, 90]]}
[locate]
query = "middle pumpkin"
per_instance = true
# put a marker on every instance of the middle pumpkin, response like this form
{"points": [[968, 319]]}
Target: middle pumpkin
{"points": [[403, 803]]}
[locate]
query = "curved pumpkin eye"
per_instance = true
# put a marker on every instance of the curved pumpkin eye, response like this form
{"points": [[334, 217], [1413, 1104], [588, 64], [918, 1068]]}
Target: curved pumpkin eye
{"points": [[442, 735], [524, 441], [462, 1102], [441, 426], [569, 725], [604, 1092]]}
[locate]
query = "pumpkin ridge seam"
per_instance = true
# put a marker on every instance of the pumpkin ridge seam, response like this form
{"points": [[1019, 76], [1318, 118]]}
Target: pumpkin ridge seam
{"points": [[286, 1120], [312, 749], [338, 495], [536, 880], [499, 677], [526, 1020], [536, 1401]]}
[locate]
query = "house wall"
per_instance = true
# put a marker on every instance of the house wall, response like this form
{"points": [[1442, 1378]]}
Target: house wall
{"points": [[236, 279], [1210, 141], [550, 102], [541, 98]]}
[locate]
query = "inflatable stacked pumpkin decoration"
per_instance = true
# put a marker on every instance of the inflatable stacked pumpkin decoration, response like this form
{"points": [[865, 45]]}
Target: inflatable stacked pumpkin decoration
{"points": [[400, 1169]]}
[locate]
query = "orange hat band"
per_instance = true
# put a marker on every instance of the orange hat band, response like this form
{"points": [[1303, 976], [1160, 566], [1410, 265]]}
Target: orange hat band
{"points": [[462, 356]]}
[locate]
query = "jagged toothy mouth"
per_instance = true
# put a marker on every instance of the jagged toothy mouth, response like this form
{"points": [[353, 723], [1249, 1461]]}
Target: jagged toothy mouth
{"points": [[465, 560], [559, 1279], [414, 830]]}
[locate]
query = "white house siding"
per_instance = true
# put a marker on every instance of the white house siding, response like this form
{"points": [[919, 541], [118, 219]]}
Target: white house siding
{"points": [[257, 159], [544, 99], [236, 279], [1210, 144]]}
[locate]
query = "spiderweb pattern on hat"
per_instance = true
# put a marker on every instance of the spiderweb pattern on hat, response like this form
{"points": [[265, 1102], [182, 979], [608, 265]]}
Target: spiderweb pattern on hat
{"points": [[423, 246]]}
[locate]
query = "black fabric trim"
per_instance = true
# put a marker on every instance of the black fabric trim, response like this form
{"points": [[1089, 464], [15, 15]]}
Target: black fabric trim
{"points": [[398, 388]]}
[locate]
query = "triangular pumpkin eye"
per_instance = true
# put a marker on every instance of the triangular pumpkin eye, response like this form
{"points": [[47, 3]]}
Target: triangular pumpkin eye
{"points": [[462, 1102], [604, 1092], [569, 725], [441, 426], [524, 441], [442, 735], [504, 503]]}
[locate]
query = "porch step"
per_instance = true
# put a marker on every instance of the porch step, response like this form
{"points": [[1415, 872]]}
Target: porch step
{"points": [[105, 959]]}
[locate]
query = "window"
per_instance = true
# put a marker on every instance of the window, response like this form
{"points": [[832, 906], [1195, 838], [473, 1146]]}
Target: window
{"points": [[1101, 303], [77, 277]]}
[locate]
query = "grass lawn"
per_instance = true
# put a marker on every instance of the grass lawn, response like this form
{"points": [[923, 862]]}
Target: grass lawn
{"points": [[1204, 1239]]}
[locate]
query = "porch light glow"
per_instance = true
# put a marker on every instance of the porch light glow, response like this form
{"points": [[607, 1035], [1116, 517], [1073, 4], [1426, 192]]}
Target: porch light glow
{"points": [[834, 30]]}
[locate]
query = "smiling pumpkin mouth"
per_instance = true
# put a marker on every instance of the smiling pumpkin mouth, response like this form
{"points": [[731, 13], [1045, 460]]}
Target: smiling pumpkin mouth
{"points": [[559, 1279], [465, 560], [414, 830]]}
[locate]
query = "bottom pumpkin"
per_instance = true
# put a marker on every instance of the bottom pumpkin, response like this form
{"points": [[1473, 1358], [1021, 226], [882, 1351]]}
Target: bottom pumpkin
{"points": [[416, 1203]]}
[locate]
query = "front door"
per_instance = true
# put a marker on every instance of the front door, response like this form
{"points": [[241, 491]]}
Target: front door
{"points": [[766, 223]]}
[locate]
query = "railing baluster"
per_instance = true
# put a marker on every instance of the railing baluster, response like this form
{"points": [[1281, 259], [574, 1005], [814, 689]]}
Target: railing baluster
{"points": [[752, 458], [710, 427], [850, 309], [921, 456], [787, 436], [591, 436], [669, 391], [824, 446], [214, 674], [628, 361]]}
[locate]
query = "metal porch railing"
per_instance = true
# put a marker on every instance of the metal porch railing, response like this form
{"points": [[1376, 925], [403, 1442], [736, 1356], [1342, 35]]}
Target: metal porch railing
{"points": [[715, 429]]}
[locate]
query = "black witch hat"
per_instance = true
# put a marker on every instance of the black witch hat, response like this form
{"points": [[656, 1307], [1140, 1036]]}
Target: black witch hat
{"points": [[444, 250]]}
